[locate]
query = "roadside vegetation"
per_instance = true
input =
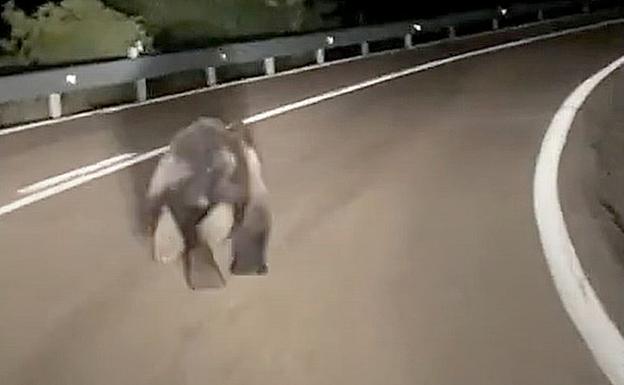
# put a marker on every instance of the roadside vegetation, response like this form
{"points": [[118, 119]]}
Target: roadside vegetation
{"points": [[69, 31], [82, 30]]}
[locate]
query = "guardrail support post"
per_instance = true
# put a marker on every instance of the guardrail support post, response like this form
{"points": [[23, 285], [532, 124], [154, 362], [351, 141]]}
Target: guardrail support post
{"points": [[141, 90], [320, 56], [495, 24], [55, 107], [365, 48], [540, 15], [407, 39], [211, 76], [452, 34], [269, 66]]}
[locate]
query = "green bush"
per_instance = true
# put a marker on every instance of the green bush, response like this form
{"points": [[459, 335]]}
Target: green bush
{"points": [[178, 24], [71, 31]]}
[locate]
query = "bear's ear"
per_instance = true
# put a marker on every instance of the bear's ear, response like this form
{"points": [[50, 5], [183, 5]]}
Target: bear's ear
{"points": [[242, 132], [248, 136]]}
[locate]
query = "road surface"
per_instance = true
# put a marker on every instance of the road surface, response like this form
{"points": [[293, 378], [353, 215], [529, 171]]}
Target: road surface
{"points": [[405, 249]]}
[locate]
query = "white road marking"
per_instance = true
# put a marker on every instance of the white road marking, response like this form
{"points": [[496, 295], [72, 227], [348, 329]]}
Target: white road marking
{"points": [[578, 296], [410, 71], [113, 109], [68, 185], [294, 106], [73, 174]]}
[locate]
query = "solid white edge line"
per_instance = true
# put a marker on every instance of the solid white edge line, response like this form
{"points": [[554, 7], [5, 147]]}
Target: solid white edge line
{"points": [[123, 107], [51, 181], [332, 94], [65, 186], [410, 71], [578, 296]]}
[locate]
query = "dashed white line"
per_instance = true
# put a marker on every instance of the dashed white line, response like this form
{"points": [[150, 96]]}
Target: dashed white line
{"points": [[73, 183], [298, 105], [578, 296], [49, 182], [413, 70]]}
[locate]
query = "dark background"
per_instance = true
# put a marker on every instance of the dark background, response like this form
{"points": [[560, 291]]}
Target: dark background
{"points": [[355, 12]]}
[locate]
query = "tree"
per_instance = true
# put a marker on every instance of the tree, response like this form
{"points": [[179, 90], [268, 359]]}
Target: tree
{"points": [[73, 30], [180, 24]]}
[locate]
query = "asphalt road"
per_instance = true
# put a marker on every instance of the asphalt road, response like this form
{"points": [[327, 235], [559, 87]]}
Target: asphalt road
{"points": [[592, 182], [405, 249]]}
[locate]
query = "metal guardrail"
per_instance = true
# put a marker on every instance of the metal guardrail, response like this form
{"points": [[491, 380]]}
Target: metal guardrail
{"points": [[54, 82]]}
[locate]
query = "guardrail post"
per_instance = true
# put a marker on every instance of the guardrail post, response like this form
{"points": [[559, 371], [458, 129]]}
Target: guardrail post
{"points": [[55, 107], [451, 32], [141, 90], [495, 24], [320, 56], [407, 39], [269, 66], [365, 48], [540, 15], [211, 76]]}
